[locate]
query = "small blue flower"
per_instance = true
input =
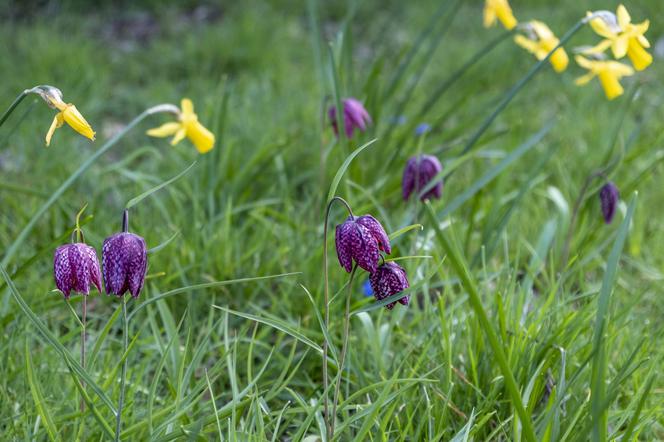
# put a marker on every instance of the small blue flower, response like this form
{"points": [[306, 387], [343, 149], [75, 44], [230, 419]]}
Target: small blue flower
{"points": [[366, 288], [422, 128]]}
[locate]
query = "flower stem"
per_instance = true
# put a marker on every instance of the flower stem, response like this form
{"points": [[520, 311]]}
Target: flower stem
{"points": [[84, 314], [327, 308], [123, 376], [344, 349], [13, 106], [125, 221]]}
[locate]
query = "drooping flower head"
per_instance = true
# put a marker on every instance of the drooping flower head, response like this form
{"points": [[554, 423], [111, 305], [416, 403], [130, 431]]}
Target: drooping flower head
{"points": [[124, 261], [499, 10], [389, 279], [67, 113], [186, 126], [539, 40], [361, 239], [609, 73], [609, 197], [622, 36], [355, 117], [76, 267], [418, 173]]}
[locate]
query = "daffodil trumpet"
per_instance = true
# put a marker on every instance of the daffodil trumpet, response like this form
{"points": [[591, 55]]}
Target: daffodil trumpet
{"points": [[186, 126], [539, 40]]}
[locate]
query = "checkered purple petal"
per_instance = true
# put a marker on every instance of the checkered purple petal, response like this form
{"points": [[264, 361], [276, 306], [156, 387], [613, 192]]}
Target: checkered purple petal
{"points": [[388, 279], [377, 230]]}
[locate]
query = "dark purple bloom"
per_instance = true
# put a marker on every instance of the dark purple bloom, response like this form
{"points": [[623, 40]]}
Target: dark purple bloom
{"points": [[355, 116], [419, 172], [76, 267], [609, 197], [124, 260], [361, 239], [389, 279]]}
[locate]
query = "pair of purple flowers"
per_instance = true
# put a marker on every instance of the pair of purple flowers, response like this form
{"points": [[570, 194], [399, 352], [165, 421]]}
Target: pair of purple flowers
{"points": [[420, 170], [361, 239], [124, 262]]}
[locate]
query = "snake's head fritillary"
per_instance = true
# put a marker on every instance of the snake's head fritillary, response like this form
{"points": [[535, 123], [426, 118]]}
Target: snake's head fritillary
{"points": [[124, 262], [609, 197], [355, 117], [389, 279], [76, 267], [417, 175]]}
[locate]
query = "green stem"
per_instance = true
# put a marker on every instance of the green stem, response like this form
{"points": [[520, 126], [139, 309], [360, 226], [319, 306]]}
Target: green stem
{"points": [[476, 303], [13, 106], [123, 376], [327, 309], [344, 349], [13, 248]]}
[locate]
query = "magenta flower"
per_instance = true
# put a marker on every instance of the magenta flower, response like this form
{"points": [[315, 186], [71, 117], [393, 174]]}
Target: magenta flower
{"points": [[609, 197], [355, 116], [389, 279], [76, 267], [125, 261], [361, 239], [419, 172]]}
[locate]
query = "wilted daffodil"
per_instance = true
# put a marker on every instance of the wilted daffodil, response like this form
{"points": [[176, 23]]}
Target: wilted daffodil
{"points": [[540, 41], [500, 10], [68, 113], [609, 73], [623, 37], [186, 126]]}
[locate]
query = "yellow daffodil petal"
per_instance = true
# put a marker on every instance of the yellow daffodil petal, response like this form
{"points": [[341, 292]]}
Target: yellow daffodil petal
{"points": [[643, 40], [584, 79], [559, 60], [640, 58], [74, 119], [506, 17], [619, 69], [202, 138], [623, 17], [187, 107], [165, 130], [501, 10], [619, 46], [601, 28], [179, 136], [526, 43], [58, 121], [489, 16], [598, 48], [610, 84], [541, 29], [583, 62]]}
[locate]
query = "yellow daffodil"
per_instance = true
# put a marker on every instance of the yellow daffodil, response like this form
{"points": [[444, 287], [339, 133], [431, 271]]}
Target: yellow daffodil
{"points": [[68, 113], [498, 9], [187, 126], [540, 42], [609, 73], [623, 37]]}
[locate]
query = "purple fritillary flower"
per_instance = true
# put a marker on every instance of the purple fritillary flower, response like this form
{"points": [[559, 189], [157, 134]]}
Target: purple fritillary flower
{"points": [[361, 239], [355, 117], [422, 128], [389, 279], [124, 261], [366, 288], [609, 197], [76, 267], [418, 173]]}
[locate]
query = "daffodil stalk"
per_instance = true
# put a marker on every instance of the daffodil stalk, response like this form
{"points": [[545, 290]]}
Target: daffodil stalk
{"points": [[329, 419], [14, 247], [13, 106]]}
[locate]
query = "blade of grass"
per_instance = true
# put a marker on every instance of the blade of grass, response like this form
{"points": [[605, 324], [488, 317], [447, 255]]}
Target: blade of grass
{"points": [[38, 397], [344, 167]]}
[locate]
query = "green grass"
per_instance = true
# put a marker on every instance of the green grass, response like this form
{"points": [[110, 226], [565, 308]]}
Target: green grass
{"points": [[504, 337]]}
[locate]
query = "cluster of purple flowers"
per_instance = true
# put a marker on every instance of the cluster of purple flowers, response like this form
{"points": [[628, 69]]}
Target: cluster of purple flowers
{"points": [[359, 240], [124, 262]]}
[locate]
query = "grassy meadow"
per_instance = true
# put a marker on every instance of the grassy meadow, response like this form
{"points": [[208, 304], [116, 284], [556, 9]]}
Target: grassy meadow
{"points": [[530, 318]]}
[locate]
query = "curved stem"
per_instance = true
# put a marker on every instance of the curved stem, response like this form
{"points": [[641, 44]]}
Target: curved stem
{"points": [[13, 248], [13, 106], [344, 349], [327, 308], [123, 377], [84, 315]]}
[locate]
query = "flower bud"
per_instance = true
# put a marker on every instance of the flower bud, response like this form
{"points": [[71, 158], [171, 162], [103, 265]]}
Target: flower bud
{"points": [[389, 279], [609, 197], [76, 267], [355, 117], [418, 173], [361, 239], [125, 262]]}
